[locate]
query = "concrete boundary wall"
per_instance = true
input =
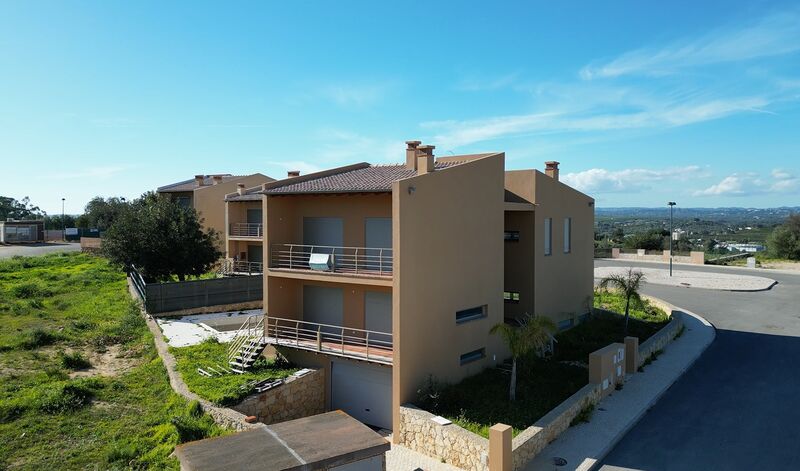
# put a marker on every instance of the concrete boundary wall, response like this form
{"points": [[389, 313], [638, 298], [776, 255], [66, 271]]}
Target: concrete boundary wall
{"points": [[694, 257]]}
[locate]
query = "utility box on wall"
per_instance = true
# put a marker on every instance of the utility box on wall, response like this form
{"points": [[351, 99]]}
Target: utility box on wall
{"points": [[607, 367]]}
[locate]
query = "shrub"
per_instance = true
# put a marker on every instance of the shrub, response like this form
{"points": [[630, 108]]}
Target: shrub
{"points": [[191, 428], [123, 452], [194, 409], [74, 361], [67, 397], [36, 338], [30, 289]]}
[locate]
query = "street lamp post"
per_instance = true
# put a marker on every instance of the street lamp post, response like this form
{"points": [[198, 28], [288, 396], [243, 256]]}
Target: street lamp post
{"points": [[671, 204], [63, 222]]}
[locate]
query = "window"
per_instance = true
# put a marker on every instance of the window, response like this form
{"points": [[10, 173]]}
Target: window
{"points": [[565, 324], [567, 235], [183, 201], [511, 236], [511, 297], [471, 314], [548, 236], [474, 355]]}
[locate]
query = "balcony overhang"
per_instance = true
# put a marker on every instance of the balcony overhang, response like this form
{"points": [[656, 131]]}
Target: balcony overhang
{"points": [[329, 276]]}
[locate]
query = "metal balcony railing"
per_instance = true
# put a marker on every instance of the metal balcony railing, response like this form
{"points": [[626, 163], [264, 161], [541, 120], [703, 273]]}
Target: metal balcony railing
{"points": [[331, 339], [230, 266], [352, 260], [246, 229]]}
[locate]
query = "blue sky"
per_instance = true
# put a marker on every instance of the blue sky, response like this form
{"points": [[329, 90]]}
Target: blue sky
{"points": [[641, 102]]}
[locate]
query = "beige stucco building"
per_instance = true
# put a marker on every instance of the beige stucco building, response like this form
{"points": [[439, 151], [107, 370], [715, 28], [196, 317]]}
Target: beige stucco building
{"points": [[206, 194], [384, 275]]}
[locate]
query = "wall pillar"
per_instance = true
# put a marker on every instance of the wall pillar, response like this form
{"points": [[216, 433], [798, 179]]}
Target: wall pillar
{"points": [[614, 252], [631, 354], [500, 448]]}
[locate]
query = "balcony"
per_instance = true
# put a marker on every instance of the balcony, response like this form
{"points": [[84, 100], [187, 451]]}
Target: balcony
{"points": [[232, 267], [246, 230], [334, 340], [362, 261]]}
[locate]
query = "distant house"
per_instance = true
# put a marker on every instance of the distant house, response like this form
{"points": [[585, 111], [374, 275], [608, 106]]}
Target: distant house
{"points": [[15, 232], [206, 194]]}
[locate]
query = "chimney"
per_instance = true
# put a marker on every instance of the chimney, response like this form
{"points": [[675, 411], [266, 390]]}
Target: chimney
{"points": [[293, 173], [199, 180], [411, 154], [425, 159], [217, 179], [240, 188], [551, 169]]}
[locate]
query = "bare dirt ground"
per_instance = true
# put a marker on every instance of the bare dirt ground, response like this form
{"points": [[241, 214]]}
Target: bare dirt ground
{"points": [[782, 265], [112, 362]]}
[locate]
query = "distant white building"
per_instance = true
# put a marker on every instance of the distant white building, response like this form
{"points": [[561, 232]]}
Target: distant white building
{"points": [[750, 248]]}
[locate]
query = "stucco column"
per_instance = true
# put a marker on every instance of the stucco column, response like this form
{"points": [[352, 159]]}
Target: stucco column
{"points": [[631, 354], [500, 448]]}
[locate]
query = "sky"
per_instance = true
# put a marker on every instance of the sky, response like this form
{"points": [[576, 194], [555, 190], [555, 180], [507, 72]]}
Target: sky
{"points": [[641, 102]]}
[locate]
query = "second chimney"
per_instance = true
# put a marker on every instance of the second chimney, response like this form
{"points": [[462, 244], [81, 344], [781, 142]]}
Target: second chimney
{"points": [[240, 188], [551, 169], [293, 173], [217, 179], [425, 159], [199, 180]]}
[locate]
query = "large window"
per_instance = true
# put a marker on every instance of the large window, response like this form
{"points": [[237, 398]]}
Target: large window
{"points": [[474, 355], [567, 235], [548, 236], [471, 314]]}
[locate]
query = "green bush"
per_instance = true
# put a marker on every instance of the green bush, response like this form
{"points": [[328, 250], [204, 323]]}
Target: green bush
{"points": [[36, 338], [74, 361], [191, 428], [584, 415], [30, 289], [67, 397]]}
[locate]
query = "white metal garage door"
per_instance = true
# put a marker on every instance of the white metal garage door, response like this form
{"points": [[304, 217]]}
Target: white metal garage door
{"points": [[364, 391]]}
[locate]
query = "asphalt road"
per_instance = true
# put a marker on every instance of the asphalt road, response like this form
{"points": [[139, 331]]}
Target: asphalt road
{"points": [[738, 406], [8, 251]]}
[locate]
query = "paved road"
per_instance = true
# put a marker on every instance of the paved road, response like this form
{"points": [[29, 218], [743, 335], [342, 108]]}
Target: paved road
{"points": [[738, 407], [8, 251]]}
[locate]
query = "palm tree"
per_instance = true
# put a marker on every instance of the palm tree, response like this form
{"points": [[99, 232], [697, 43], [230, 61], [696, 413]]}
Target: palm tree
{"points": [[628, 284], [533, 333]]}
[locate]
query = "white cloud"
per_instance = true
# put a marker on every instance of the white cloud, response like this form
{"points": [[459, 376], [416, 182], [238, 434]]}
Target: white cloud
{"points": [[600, 180], [774, 34], [592, 117], [747, 184]]}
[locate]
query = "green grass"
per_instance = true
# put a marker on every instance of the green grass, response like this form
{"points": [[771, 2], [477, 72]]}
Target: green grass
{"points": [[228, 389], [130, 419], [480, 401]]}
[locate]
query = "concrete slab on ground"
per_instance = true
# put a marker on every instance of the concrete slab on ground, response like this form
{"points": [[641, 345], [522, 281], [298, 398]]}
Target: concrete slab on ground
{"points": [[584, 445], [695, 279], [31, 250], [400, 458], [191, 330]]}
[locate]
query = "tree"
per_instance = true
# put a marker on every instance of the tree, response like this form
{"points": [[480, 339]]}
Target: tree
{"points": [[161, 238], [100, 213], [628, 284], [22, 209], [784, 241], [533, 334], [650, 240]]}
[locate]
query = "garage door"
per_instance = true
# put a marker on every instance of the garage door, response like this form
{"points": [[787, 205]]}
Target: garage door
{"points": [[363, 391]]}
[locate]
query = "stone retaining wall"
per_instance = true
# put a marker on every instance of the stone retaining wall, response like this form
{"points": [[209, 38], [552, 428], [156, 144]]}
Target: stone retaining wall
{"points": [[535, 438], [448, 443], [301, 395], [694, 257]]}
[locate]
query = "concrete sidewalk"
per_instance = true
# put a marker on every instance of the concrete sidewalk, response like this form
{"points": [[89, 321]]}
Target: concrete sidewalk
{"points": [[583, 446], [695, 279]]}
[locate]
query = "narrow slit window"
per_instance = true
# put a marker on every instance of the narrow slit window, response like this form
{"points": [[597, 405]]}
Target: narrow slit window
{"points": [[567, 235], [511, 297], [471, 314], [474, 355], [548, 233], [511, 236]]}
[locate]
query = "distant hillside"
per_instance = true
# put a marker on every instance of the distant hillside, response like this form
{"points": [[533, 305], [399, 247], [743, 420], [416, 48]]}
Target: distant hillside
{"points": [[763, 215]]}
